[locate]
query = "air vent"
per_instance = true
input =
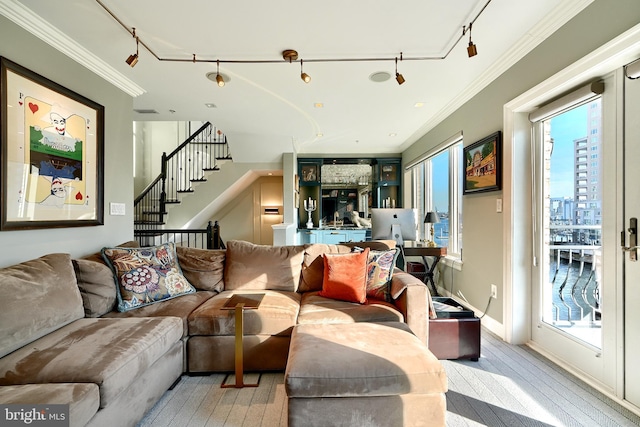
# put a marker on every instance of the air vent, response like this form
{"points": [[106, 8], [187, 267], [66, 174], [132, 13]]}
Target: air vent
{"points": [[146, 111]]}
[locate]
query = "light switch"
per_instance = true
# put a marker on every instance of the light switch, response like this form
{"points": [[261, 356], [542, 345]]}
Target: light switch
{"points": [[498, 205], [117, 208]]}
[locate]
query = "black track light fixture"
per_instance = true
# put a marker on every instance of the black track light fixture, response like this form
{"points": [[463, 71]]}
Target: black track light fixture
{"points": [[399, 77], [132, 60], [471, 49], [304, 76], [219, 78]]}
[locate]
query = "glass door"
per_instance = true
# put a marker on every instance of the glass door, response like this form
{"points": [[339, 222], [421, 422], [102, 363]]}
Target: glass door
{"points": [[569, 299], [572, 223]]}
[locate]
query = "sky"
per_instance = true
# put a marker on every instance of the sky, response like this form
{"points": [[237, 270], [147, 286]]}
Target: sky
{"points": [[564, 129], [440, 167]]}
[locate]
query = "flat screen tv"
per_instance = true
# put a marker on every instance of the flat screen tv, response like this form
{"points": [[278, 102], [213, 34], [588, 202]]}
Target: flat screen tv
{"points": [[394, 224]]}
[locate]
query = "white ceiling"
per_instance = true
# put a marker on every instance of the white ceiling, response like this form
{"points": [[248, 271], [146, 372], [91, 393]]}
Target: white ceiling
{"points": [[266, 109]]}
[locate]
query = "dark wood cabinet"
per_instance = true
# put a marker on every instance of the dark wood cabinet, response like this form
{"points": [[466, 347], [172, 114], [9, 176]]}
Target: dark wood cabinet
{"points": [[342, 194]]}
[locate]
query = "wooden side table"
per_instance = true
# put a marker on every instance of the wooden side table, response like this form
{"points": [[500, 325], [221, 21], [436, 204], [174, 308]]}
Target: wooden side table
{"points": [[424, 252], [239, 303]]}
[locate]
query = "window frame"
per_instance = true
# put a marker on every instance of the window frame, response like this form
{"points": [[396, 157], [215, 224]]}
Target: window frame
{"points": [[420, 173]]}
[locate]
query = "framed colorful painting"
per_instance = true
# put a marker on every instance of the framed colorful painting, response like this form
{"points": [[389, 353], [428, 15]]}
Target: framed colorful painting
{"points": [[52, 153], [483, 165]]}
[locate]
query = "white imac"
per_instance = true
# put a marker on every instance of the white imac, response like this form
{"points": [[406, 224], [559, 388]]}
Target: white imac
{"points": [[394, 224]]}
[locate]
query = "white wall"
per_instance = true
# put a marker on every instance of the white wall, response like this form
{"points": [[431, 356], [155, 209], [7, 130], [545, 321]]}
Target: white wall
{"points": [[30, 52], [152, 139], [483, 250], [242, 218]]}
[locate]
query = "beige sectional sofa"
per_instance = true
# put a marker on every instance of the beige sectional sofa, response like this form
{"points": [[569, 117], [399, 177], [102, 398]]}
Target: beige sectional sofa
{"points": [[62, 340]]}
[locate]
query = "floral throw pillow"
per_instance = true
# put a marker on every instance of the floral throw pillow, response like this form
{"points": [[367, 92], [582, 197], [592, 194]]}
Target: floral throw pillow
{"points": [[146, 275], [379, 271]]}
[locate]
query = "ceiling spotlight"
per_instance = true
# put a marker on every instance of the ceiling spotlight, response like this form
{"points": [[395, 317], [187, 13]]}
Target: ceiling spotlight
{"points": [[399, 77], [219, 78], [471, 49], [132, 60], [304, 76]]}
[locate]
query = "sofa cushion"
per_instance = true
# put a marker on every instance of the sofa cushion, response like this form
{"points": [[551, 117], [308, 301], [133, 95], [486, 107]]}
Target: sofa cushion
{"points": [[109, 352], [313, 264], [360, 365], [203, 268], [38, 297], [146, 275], [256, 267], [276, 315], [98, 291], [83, 398], [315, 309], [345, 276], [181, 307]]}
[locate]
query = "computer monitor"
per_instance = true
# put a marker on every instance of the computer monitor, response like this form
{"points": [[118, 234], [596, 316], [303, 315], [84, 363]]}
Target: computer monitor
{"points": [[394, 224]]}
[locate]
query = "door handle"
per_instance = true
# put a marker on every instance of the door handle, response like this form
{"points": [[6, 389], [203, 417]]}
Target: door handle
{"points": [[633, 240]]}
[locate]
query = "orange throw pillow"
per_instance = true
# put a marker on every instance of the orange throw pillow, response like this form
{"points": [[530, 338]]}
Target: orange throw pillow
{"points": [[345, 276]]}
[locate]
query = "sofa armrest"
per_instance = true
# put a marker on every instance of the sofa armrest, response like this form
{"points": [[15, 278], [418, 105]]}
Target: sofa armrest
{"points": [[413, 299]]}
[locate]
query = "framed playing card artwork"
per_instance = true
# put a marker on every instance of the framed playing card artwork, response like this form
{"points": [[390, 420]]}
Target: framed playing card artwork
{"points": [[52, 165]]}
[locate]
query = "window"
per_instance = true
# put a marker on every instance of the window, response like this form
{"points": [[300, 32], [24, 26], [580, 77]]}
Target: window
{"points": [[437, 187]]}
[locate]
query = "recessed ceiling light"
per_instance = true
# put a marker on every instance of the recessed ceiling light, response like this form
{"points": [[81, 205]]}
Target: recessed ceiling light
{"points": [[392, 134], [210, 105], [418, 104], [318, 105], [380, 76], [319, 134]]}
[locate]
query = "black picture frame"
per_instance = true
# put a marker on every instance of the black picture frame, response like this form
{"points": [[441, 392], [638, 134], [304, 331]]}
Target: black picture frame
{"points": [[483, 165], [52, 153]]}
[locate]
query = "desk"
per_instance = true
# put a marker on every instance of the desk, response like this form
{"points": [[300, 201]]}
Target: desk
{"points": [[239, 303], [424, 252]]}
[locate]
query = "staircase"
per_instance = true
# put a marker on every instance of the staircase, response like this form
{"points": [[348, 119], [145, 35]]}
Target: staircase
{"points": [[189, 163]]}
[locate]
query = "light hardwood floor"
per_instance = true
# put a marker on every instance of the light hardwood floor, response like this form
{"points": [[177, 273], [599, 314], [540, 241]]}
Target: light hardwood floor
{"points": [[508, 386]]}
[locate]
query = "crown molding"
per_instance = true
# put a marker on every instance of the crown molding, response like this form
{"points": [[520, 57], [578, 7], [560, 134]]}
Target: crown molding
{"points": [[541, 31], [34, 24]]}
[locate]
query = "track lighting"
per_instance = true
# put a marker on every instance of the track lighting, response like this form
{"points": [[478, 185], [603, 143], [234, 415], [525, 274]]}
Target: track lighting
{"points": [[471, 49], [291, 55], [399, 77], [219, 78], [132, 60], [304, 76]]}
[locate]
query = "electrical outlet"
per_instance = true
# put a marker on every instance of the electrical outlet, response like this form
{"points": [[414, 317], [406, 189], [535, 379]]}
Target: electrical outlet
{"points": [[494, 291]]}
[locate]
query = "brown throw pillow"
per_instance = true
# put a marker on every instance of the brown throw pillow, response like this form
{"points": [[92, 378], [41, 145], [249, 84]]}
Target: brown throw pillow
{"points": [[97, 289], [203, 268]]}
